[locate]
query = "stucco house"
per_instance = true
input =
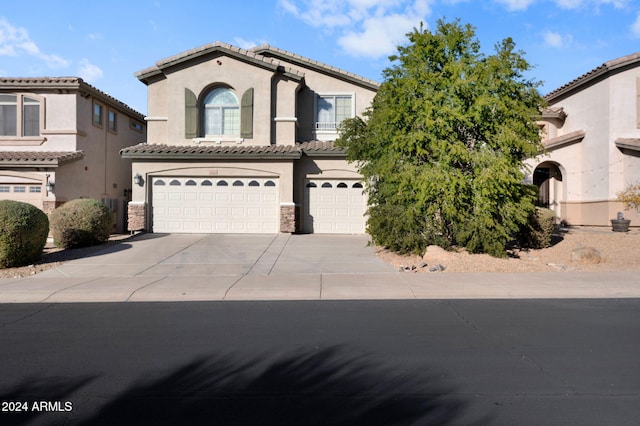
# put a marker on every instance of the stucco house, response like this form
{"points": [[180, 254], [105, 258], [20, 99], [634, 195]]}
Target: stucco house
{"points": [[60, 140], [240, 141], [591, 132]]}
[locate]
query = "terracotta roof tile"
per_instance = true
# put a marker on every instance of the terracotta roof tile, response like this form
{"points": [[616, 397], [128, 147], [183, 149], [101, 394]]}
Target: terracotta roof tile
{"points": [[53, 158], [200, 151], [600, 72]]}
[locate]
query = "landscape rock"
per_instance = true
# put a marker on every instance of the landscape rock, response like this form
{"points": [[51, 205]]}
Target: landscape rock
{"points": [[437, 268], [587, 255]]}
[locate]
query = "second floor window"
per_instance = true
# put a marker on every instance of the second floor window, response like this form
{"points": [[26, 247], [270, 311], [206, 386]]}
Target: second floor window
{"points": [[97, 114], [331, 110], [19, 115], [221, 113]]}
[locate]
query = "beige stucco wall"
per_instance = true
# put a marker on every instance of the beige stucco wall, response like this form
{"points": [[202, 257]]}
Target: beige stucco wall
{"points": [[167, 97], [594, 169]]}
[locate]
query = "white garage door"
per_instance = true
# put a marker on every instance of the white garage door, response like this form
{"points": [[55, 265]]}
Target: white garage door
{"points": [[335, 206], [215, 205]]}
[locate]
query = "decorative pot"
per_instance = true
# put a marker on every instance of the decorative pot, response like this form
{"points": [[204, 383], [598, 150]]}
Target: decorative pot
{"points": [[620, 225]]}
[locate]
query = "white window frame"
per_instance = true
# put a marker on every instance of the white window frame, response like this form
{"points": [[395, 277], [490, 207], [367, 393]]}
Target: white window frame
{"points": [[332, 128], [221, 108]]}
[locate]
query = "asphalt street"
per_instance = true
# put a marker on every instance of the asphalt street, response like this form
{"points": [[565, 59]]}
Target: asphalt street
{"points": [[524, 362]]}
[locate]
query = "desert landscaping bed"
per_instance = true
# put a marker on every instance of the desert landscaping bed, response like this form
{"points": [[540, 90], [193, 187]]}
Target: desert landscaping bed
{"points": [[618, 251]]}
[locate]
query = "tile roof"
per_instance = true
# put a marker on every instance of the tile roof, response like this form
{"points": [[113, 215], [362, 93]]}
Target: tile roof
{"points": [[38, 158], [63, 83], [210, 151], [266, 49], [603, 71], [215, 151], [324, 148], [243, 54], [632, 144]]}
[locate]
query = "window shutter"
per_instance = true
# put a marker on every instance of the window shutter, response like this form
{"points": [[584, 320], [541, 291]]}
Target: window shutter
{"points": [[190, 114], [246, 115]]}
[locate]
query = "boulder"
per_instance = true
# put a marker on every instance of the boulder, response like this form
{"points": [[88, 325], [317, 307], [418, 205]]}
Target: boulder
{"points": [[588, 255]]}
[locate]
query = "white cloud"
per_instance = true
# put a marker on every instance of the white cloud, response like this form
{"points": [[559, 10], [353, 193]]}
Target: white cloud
{"points": [[89, 72], [245, 44], [15, 41], [552, 39], [369, 28], [635, 27], [516, 4]]}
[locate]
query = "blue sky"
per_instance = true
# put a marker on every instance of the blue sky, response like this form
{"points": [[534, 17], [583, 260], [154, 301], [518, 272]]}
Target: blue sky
{"points": [[107, 42]]}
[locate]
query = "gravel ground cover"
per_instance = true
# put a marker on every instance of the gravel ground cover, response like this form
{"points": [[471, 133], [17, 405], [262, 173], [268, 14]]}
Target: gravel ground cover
{"points": [[618, 252]]}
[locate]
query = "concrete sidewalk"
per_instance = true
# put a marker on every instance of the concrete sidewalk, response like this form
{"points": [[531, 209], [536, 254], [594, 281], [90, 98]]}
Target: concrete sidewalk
{"points": [[187, 267]]}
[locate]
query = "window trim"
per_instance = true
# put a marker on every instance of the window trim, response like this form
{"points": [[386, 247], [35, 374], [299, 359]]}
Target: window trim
{"points": [[102, 106], [20, 103], [202, 112], [319, 96]]}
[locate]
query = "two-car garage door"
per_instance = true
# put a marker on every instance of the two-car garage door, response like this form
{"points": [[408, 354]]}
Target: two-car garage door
{"points": [[215, 205], [251, 205]]}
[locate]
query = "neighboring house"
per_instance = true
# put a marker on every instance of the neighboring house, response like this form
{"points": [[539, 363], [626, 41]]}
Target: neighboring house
{"points": [[591, 132], [60, 140], [240, 141]]}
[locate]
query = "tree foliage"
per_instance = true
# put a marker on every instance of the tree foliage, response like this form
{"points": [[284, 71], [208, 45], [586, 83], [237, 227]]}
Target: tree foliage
{"points": [[443, 143]]}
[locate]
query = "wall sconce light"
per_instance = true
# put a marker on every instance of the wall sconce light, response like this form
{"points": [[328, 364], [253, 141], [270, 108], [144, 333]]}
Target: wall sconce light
{"points": [[49, 186], [138, 180]]}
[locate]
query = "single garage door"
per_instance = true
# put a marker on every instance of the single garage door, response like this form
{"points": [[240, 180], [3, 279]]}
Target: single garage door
{"points": [[335, 206], [215, 205]]}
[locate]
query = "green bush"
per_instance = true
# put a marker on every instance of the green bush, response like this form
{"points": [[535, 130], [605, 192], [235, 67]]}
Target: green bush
{"points": [[23, 233], [539, 229], [81, 223]]}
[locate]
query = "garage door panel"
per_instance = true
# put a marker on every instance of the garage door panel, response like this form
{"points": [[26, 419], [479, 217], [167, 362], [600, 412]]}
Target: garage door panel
{"points": [[335, 206], [201, 205]]}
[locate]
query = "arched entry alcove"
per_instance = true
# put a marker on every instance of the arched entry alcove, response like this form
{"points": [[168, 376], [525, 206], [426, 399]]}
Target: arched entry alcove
{"points": [[548, 177]]}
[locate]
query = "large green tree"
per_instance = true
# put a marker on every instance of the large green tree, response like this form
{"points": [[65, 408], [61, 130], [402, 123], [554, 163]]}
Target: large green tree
{"points": [[443, 143]]}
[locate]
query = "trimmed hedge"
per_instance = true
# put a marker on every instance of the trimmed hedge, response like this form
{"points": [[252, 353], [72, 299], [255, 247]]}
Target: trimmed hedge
{"points": [[81, 223], [23, 233], [539, 230]]}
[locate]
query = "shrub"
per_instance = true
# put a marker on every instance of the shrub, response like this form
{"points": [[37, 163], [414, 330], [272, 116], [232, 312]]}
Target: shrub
{"points": [[23, 233], [81, 223], [537, 233], [630, 196]]}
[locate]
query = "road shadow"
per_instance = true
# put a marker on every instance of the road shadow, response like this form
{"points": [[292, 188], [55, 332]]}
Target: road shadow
{"points": [[34, 390], [314, 387], [322, 387]]}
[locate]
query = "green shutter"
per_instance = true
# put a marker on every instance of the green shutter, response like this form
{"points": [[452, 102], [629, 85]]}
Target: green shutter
{"points": [[246, 115], [190, 114]]}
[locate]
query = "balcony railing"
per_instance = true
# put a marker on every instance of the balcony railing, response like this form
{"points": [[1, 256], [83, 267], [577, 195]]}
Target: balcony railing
{"points": [[326, 126]]}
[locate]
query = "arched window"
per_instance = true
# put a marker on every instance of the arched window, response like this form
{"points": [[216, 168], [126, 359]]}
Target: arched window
{"points": [[191, 182], [342, 185], [357, 185], [222, 183], [254, 183], [269, 183], [206, 182], [238, 183], [327, 185], [221, 113], [159, 183], [312, 185], [175, 182]]}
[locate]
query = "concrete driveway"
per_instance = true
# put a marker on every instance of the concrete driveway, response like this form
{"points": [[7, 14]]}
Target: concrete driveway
{"points": [[191, 255], [182, 267]]}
